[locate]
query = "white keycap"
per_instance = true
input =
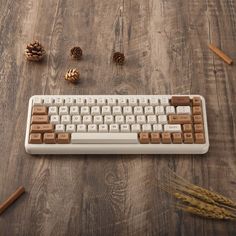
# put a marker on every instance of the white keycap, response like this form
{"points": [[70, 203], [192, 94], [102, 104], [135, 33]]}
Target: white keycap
{"points": [[116, 110], [92, 128], [154, 102], [138, 110], [59, 128], [159, 110], [172, 128], [101, 101], [124, 128], [69, 101], [106, 110], [98, 120], [122, 101], [52, 110], [127, 110], [162, 119], [157, 128], [37, 101], [135, 128], [55, 119], [141, 119], [152, 119], [114, 128], [79, 101], [130, 119], [81, 128], [170, 110], [111, 101], [85, 110], [164, 101], [74, 110], [87, 119], [108, 119], [119, 119], [58, 101], [48, 101], [104, 138], [95, 110], [146, 128], [70, 128], [183, 110], [65, 119], [103, 128], [148, 110], [90, 101], [143, 101], [63, 110], [76, 119], [133, 102]]}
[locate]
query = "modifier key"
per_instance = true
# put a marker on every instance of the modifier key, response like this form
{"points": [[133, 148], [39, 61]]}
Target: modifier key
{"points": [[180, 101]]}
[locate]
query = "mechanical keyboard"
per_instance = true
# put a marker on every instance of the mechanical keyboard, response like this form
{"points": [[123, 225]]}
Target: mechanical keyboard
{"points": [[116, 124]]}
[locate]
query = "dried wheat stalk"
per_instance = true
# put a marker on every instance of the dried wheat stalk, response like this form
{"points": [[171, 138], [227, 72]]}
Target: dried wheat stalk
{"points": [[198, 200], [199, 190], [203, 213]]}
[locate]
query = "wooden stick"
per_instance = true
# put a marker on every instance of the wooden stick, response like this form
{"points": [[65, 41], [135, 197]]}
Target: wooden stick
{"points": [[221, 54], [11, 199]]}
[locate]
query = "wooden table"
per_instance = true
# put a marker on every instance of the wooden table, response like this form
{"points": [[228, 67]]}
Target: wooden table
{"points": [[165, 44]]}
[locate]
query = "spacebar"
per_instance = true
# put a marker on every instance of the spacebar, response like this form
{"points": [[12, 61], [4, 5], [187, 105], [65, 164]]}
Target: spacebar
{"points": [[104, 138]]}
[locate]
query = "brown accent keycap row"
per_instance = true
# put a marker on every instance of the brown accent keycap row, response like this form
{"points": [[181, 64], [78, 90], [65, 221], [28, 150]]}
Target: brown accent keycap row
{"points": [[168, 138], [49, 138]]}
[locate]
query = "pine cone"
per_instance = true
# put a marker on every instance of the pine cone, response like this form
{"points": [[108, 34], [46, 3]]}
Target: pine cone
{"points": [[72, 75], [119, 58], [76, 53], [34, 51]]}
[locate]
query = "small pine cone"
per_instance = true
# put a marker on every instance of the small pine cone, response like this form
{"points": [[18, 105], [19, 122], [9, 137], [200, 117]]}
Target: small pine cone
{"points": [[34, 51], [72, 75], [119, 58], [76, 53]]}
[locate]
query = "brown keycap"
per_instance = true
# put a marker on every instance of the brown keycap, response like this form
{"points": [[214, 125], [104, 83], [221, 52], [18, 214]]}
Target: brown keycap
{"points": [[49, 138], [196, 101], [180, 101], [35, 138], [155, 138], [43, 119], [180, 119], [197, 110], [187, 128], [39, 110], [177, 138], [197, 119], [198, 128], [166, 137], [199, 138], [188, 138], [43, 128], [63, 138], [144, 138]]}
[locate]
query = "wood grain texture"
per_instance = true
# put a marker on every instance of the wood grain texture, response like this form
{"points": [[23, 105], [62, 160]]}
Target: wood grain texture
{"points": [[166, 46]]}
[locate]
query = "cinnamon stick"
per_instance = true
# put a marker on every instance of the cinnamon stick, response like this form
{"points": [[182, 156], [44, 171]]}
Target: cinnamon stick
{"points": [[11, 199], [221, 54]]}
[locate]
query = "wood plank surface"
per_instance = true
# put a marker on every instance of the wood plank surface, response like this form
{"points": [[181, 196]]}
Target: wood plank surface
{"points": [[165, 44]]}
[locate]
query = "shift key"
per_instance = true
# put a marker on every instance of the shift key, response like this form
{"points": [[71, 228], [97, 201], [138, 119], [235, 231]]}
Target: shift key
{"points": [[42, 128]]}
